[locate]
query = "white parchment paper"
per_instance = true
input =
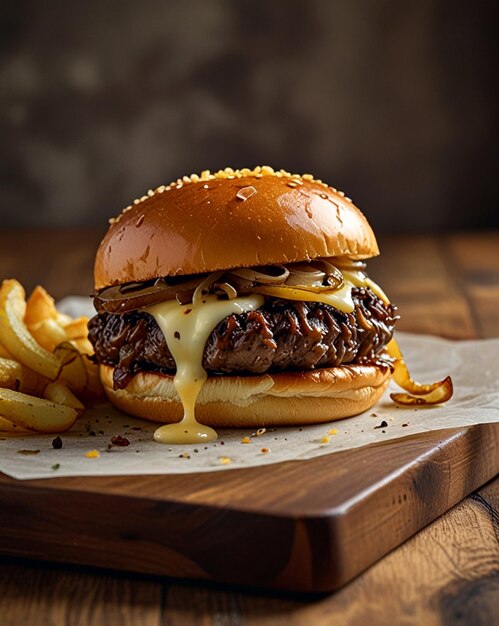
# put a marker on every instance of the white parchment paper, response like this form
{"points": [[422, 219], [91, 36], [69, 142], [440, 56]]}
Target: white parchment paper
{"points": [[473, 365]]}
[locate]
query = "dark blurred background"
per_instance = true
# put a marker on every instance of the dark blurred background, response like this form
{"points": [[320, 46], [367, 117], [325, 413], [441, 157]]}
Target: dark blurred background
{"points": [[390, 100]]}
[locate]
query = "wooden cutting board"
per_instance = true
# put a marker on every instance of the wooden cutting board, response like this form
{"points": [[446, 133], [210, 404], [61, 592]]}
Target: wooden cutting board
{"points": [[305, 526], [302, 526]]}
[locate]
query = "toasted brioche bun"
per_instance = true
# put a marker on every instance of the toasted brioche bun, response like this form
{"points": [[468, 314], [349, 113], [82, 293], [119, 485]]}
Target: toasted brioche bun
{"points": [[200, 225], [290, 398]]}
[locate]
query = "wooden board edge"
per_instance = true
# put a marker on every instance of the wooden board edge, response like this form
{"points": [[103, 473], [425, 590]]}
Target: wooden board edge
{"points": [[340, 546]]}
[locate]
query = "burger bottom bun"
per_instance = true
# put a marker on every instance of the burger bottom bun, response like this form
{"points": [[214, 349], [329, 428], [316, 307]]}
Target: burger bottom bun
{"points": [[282, 399]]}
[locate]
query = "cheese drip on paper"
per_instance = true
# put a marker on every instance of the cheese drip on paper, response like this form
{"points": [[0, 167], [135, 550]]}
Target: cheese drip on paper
{"points": [[186, 329]]}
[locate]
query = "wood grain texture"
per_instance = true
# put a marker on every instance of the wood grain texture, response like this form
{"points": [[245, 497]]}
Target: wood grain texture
{"points": [[419, 278], [334, 515], [474, 263], [447, 574]]}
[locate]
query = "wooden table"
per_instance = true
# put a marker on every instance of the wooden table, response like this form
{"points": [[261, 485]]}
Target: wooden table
{"points": [[447, 574]]}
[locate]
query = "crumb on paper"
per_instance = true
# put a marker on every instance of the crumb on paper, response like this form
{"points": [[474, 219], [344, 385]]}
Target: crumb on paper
{"points": [[265, 450], [120, 441], [383, 424], [92, 454], [325, 439], [56, 466], [224, 460], [404, 425], [333, 431], [184, 455], [57, 443], [245, 440], [28, 452]]}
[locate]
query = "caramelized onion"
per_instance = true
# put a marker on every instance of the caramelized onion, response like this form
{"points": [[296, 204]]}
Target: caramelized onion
{"points": [[265, 278], [119, 299], [228, 289], [305, 275], [318, 276], [204, 287], [438, 396], [433, 393], [334, 275]]}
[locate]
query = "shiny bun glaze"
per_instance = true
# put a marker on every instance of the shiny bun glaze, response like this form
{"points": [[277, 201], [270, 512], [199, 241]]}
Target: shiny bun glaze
{"points": [[283, 399], [231, 219]]}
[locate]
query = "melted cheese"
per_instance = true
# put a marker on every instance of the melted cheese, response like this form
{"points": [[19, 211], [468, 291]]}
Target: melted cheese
{"points": [[341, 298], [186, 329]]}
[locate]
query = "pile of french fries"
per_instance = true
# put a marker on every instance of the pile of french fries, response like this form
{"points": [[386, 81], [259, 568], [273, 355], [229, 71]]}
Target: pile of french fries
{"points": [[45, 370]]}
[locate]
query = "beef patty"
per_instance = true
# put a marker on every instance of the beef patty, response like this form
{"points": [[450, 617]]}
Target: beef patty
{"points": [[280, 335]]}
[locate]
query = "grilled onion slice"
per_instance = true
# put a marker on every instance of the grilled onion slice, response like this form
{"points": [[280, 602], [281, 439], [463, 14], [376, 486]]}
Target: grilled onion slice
{"points": [[418, 394]]}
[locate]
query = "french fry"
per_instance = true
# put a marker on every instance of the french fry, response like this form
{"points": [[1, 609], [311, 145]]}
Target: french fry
{"points": [[74, 372], [47, 325], [59, 393], [3, 352], [48, 334], [39, 307], [15, 336], [35, 413], [63, 319], [8, 427], [94, 390], [76, 329], [15, 376], [83, 345], [43, 363], [10, 373]]}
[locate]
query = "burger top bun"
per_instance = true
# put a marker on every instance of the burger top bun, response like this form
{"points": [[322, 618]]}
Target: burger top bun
{"points": [[231, 219]]}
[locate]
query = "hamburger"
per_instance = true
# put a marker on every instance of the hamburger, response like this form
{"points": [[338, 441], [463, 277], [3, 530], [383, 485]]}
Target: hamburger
{"points": [[244, 295]]}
